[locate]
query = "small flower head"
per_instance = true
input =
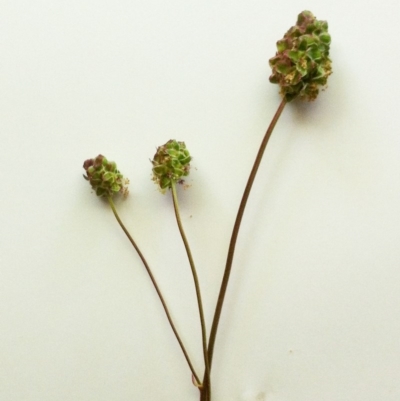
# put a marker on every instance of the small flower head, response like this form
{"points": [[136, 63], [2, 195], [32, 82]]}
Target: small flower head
{"points": [[104, 177], [302, 64], [170, 163]]}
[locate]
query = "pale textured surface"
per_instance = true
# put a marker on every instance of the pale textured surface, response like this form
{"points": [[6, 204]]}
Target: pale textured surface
{"points": [[312, 310]]}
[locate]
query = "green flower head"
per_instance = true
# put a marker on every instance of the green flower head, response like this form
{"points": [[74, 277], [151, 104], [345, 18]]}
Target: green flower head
{"points": [[104, 177], [170, 163], [302, 64]]}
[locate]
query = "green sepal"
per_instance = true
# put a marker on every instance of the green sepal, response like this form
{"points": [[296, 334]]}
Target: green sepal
{"points": [[160, 169], [108, 176], [282, 45], [165, 182], [325, 38], [186, 160], [295, 55], [115, 188], [314, 54], [100, 191], [284, 68]]}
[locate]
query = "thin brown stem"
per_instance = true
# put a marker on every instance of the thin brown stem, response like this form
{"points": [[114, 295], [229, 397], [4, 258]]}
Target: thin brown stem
{"points": [[235, 232], [206, 389], [153, 280]]}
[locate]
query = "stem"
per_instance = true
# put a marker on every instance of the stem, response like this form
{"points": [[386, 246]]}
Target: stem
{"points": [[235, 231], [206, 389], [110, 201]]}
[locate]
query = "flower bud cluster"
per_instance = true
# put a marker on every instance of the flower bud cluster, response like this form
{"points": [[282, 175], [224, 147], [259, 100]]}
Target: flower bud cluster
{"points": [[104, 177], [302, 64], [170, 163]]}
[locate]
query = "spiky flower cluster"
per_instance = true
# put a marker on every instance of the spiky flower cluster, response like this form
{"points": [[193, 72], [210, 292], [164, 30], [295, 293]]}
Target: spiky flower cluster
{"points": [[104, 177], [302, 64], [170, 163]]}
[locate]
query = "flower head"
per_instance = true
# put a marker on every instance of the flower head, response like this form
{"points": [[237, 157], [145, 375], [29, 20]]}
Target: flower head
{"points": [[104, 177], [170, 163], [302, 64]]}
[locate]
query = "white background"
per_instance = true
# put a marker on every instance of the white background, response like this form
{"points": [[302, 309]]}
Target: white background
{"points": [[312, 310]]}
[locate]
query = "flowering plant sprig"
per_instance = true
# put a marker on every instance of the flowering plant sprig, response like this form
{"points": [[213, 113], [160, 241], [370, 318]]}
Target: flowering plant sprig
{"points": [[171, 162], [301, 67], [107, 181]]}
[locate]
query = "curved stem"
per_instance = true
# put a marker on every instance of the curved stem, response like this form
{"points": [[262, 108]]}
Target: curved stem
{"points": [[235, 232], [146, 265], [206, 389]]}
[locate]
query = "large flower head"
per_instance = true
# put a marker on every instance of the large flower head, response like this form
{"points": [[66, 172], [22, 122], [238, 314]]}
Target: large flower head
{"points": [[104, 177], [170, 164], [302, 64]]}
